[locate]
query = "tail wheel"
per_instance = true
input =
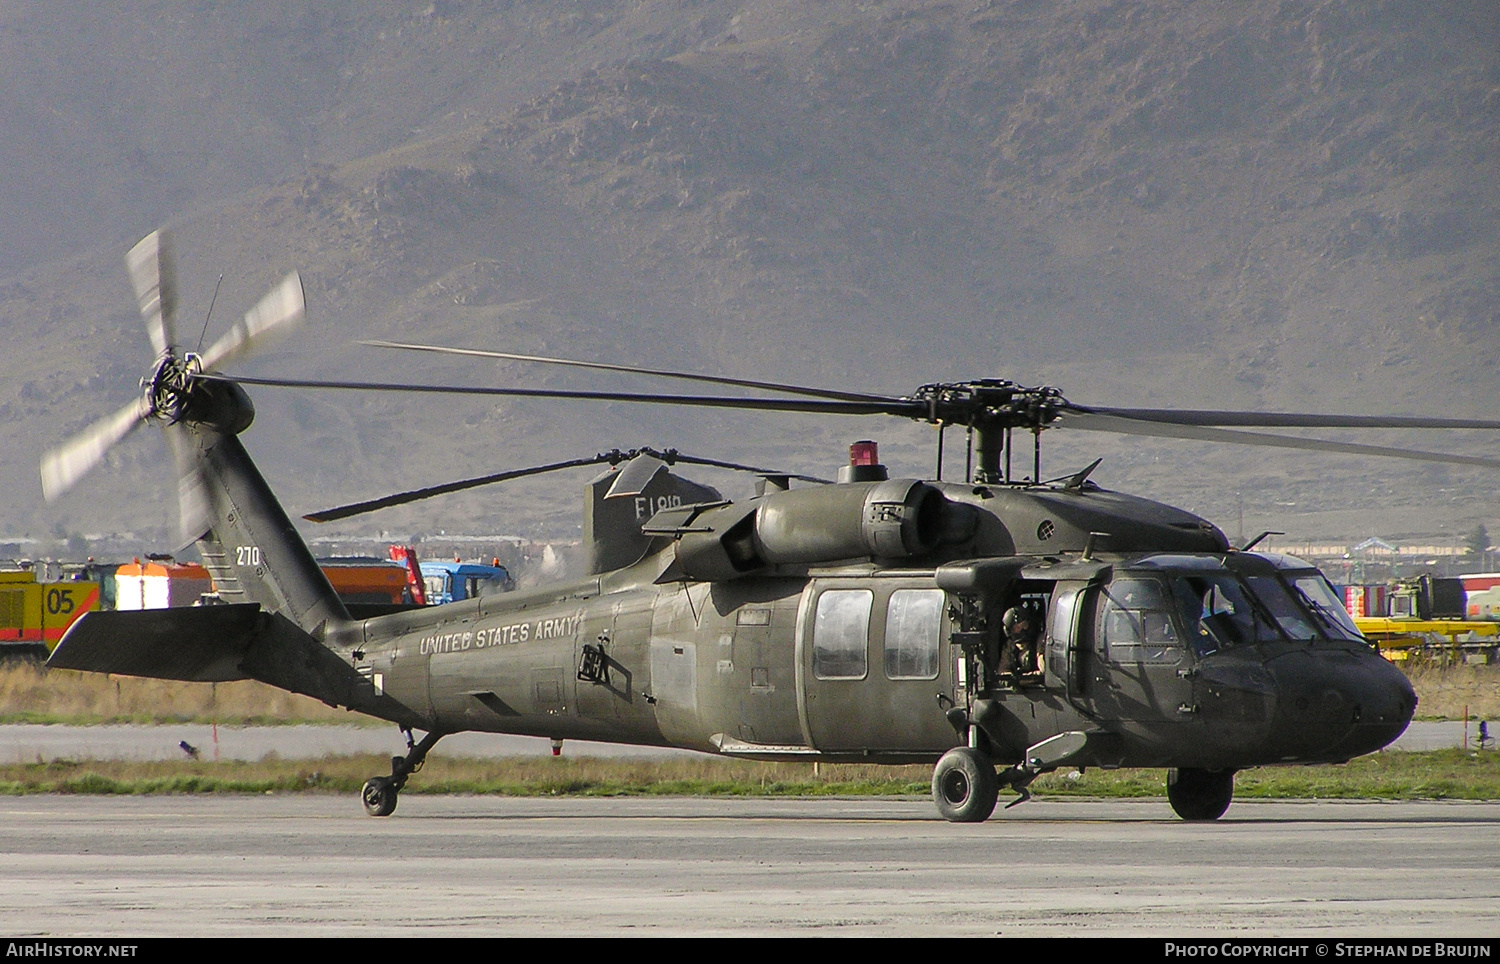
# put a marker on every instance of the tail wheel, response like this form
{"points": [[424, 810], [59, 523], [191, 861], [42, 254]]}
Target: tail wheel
{"points": [[379, 797], [965, 786], [1200, 794]]}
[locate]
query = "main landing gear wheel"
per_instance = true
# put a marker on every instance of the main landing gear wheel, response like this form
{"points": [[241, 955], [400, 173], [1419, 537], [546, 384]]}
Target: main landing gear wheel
{"points": [[379, 797], [1200, 794], [965, 786]]}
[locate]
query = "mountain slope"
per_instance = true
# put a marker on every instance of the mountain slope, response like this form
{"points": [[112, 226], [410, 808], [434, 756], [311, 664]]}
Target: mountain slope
{"points": [[1262, 205]]}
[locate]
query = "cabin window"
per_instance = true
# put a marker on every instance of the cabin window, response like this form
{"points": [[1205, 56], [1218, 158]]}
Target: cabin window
{"points": [[913, 626], [1135, 623], [841, 632]]}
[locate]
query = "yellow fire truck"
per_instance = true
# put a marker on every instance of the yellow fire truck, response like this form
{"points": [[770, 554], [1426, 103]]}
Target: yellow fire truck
{"points": [[34, 615]]}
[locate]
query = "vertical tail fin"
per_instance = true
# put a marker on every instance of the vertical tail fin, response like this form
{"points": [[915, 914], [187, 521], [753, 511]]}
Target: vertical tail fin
{"points": [[251, 548]]}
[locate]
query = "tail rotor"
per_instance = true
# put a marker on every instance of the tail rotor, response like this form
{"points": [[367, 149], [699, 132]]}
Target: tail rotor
{"points": [[175, 390]]}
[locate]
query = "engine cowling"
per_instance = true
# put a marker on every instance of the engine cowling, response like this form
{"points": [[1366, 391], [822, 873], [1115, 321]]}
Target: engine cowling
{"points": [[891, 519]]}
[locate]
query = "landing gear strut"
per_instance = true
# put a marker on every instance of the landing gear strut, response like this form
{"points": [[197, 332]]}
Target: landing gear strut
{"points": [[1200, 794], [379, 793]]}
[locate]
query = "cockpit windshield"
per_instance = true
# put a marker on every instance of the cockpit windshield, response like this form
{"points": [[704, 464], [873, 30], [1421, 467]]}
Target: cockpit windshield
{"points": [[1327, 609], [1222, 611], [1293, 619], [1244, 604]]}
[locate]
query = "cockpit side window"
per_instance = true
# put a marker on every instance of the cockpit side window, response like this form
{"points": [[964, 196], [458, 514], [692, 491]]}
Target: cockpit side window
{"points": [[1135, 623]]}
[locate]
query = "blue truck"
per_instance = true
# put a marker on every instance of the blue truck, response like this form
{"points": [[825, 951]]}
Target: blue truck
{"points": [[447, 582]]}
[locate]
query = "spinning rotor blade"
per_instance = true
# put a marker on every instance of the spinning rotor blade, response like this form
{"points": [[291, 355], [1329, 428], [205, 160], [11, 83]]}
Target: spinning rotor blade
{"points": [[193, 512], [150, 267], [877, 406], [168, 390], [1093, 422], [1170, 416], [631, 370], [65, 465], [281, 308]]}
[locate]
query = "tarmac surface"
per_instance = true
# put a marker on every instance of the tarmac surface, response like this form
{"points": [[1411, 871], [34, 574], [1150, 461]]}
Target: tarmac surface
{"points": [[28, 743], [308, 865]]}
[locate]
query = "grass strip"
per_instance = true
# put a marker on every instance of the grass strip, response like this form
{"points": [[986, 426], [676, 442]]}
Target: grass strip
{"points": [[1436, 775]]}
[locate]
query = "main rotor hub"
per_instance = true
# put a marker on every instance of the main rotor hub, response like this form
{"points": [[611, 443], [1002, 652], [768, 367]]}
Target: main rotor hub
{"points": [[990, 403]]}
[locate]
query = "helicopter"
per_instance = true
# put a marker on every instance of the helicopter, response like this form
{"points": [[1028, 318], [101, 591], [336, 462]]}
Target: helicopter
{"points": [[995, 627]]}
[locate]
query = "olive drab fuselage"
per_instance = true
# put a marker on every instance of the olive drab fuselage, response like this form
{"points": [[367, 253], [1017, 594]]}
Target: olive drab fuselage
{"points": [[859, 620], [865, 662], [863, 620]]}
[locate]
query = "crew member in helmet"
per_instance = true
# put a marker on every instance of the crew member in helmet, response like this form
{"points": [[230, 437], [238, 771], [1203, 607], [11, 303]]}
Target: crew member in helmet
{"points": [[1019, 653]]}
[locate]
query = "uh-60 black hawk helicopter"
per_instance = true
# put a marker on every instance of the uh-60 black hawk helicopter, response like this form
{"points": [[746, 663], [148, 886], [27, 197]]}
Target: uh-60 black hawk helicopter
{"points": [[972, 624]]}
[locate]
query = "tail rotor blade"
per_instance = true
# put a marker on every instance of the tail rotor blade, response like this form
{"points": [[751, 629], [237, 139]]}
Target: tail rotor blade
{"points": [[150, 267], [193, 515], [281, 308], [62, 467]]}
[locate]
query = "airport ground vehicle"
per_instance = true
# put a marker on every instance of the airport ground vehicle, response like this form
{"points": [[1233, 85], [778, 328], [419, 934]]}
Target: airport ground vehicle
{"points": [[34, 615], [449, 582]]}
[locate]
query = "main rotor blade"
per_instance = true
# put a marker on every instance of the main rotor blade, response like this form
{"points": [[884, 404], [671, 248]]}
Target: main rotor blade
{"points": [[281, 308], [1094, 422], [633, 370], [151, 275], [891, 406], [1173, 416], [737, 467], [669, 457], [414, 495], [65, 465]]}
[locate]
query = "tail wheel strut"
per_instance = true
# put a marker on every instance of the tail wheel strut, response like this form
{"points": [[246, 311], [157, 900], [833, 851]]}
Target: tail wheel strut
{"points": [[379, 793]]}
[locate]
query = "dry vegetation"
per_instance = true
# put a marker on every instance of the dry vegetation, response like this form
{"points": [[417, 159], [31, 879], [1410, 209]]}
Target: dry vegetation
{"points": [[1446, 691], [30, 694]]}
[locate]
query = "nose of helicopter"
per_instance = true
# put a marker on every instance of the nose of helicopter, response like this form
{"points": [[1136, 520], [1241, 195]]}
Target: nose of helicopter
{"points": [[1338, 704]]}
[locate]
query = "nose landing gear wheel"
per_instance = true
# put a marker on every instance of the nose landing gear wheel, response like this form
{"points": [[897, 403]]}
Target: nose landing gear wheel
{"points": [[1200, 794], [965, 786], [379, 797]]}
